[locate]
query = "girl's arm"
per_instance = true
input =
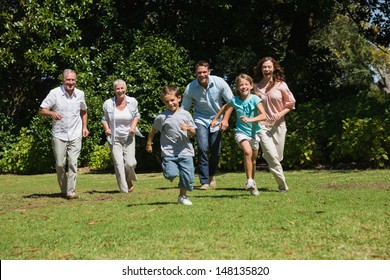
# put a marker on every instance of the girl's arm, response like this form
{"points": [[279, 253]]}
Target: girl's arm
{"points": [[220, 112], [260, 117]]}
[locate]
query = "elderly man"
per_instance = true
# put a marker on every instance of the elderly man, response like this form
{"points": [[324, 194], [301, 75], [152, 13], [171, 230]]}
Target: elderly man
{"points": [[66, 106]]}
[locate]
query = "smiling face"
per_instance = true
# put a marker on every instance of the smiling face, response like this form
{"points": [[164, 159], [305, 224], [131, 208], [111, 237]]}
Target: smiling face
{"points": [[267, 68], [69, 82], [202, 73], [244, 88], [120, 89], [171, 101]]}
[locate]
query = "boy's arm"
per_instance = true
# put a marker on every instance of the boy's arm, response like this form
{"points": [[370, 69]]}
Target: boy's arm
{"points": [[149, 141]]}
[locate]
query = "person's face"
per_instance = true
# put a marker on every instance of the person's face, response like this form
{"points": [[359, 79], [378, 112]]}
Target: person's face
{"points": [[244, 87], [267, 68], [202, 73], [69, 82], [171, 101], [120, 89]]}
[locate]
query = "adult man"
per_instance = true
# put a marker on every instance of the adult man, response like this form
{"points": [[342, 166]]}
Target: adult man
{"points": [[206, 93], [66, 106]]}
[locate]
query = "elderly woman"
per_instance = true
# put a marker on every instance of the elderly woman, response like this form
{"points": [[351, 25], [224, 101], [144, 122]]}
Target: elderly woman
{"points": [[120, 125]]}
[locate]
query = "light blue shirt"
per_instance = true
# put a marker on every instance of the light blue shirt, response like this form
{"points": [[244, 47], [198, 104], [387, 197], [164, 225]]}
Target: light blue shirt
{"points": [[207, 102], [247, 108]]}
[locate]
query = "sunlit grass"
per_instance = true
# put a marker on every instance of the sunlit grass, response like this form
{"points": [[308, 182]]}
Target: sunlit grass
{"points": [[325, 215]]}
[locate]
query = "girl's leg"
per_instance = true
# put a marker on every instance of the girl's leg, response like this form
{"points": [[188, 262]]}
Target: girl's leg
{"points": [[248, 165]]}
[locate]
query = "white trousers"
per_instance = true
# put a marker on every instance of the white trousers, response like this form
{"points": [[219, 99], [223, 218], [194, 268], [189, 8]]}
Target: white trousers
{"points": [[272, 140], [123, 156], [66, 151]]}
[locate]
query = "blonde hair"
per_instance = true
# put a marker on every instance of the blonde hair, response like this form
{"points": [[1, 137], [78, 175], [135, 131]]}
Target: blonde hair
{"points": [[243, 77]]}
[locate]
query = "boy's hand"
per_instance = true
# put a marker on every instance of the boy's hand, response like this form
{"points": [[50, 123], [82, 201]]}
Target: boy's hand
{"points": [[149, 148]]}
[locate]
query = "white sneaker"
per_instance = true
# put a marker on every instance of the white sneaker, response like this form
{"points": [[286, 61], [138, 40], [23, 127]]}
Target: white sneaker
{"points": [[183, 199], [251, 185]]}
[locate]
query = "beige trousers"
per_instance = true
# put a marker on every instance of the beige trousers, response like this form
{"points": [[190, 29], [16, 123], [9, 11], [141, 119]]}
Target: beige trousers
{"points": [[272, 140], [123, 156], [66, 152]]}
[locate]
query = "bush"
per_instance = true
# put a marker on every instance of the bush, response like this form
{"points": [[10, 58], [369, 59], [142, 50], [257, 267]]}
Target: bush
{"points": [[100, 158]]}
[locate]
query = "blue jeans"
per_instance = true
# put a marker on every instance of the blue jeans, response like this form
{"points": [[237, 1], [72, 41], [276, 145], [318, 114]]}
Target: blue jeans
{"points": [[182, 166], [206, 141]]}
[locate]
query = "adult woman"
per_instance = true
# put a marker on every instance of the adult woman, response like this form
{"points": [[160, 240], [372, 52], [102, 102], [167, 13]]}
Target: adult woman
{"points": [[278, 100], [120, 125]]}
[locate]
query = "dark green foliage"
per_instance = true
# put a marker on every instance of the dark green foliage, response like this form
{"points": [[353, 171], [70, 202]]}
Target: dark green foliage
{"points": [[149, 44]]}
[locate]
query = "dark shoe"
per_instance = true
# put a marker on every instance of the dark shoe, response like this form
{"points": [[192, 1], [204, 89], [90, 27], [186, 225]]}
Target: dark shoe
{"points": [[73, 196]]}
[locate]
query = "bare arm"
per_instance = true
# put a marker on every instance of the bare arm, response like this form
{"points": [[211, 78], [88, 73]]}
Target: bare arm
{"points": [[220, 112], [48, 113], [190, 130], [84, 120], [149, 142], [260, 117]]}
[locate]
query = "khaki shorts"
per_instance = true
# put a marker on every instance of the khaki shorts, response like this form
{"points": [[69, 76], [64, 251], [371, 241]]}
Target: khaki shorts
{"points": [[253, 140]]}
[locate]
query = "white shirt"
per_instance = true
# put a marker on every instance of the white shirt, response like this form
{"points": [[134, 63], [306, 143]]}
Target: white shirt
{"points": [[69, 106]]}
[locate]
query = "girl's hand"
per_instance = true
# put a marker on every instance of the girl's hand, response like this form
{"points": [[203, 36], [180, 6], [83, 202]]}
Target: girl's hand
{"points": [[213, 123], [244, 119]]}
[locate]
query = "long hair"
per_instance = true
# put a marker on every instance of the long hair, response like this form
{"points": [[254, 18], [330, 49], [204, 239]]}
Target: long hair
{"points": [[277, 75]]}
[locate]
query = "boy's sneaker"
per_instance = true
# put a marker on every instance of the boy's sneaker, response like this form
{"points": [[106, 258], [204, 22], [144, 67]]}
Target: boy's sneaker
{"points": [[251, 185], [183, 199]]}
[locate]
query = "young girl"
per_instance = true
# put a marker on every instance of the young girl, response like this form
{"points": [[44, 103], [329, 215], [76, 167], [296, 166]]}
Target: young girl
{"points": [[250, 111]]}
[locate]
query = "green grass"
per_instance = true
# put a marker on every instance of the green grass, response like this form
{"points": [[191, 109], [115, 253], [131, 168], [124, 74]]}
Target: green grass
{"points": [[334, 215]]}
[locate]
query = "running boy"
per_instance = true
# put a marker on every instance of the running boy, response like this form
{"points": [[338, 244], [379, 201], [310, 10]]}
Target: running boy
{"points": [[176, 127], [250, 111]]}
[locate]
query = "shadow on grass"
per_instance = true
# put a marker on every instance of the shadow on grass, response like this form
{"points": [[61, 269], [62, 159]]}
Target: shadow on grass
{"points": [[39, 195], [151, 203]]}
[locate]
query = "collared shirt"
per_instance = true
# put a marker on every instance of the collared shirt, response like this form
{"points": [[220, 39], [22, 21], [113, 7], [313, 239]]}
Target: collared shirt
{"points": [[109, 115], [275, 100], [207, 102], [246, 108], [69, 106]]}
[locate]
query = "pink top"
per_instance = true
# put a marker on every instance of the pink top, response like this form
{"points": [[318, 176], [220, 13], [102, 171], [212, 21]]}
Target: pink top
{"points": [[275, 100]]}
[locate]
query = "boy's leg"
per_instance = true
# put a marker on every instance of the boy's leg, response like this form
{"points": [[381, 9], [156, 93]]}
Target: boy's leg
{"points": [[170, 168]]}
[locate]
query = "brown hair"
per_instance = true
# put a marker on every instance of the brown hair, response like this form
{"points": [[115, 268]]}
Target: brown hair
{"points": [[277, 75], [168, 90], [202, 63]]}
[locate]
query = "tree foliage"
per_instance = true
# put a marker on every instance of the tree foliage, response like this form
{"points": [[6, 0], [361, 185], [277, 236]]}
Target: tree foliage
{"points": [[330, 50]]}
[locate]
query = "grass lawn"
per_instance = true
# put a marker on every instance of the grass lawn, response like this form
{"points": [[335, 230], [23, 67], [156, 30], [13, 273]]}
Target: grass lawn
{"points": [[335, 215]]}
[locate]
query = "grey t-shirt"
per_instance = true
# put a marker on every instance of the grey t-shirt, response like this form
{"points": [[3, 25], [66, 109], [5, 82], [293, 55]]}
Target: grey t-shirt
{"points": [[174, 141]]}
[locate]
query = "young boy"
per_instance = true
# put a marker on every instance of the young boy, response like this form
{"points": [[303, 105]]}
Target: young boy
{"points": [[176, 127]]}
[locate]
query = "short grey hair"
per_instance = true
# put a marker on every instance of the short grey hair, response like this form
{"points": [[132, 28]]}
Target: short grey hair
{"points": [[66, 71], [120, 82]]}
